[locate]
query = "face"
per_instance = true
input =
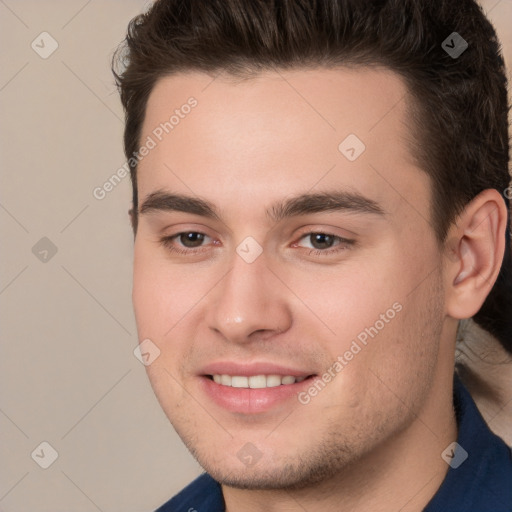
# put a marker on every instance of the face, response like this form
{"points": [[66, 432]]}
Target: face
{"points": [[286, 270]]}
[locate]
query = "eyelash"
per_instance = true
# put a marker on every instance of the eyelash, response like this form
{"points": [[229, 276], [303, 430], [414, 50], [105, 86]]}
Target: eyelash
{"points": [[343, 244]]}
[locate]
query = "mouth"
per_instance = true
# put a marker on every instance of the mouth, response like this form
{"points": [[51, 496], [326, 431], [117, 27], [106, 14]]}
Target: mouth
{"points": [[253, 389]]}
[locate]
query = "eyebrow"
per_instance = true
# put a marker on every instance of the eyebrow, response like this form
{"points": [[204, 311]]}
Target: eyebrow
{"points": [[303, 204]]}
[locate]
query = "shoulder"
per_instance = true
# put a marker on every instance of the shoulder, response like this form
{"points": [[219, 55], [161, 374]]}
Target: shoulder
{"points": [[203, 494]]}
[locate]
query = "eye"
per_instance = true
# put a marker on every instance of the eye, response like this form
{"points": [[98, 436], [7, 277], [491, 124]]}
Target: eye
{"points": [[187, 242], [320, 240], [191, 239], [325, 243]]}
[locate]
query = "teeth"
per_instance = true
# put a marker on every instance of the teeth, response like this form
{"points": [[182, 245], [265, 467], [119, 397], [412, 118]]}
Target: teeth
{"points": [[240, 382], [256, 381], [273, 381], [225, 380]]}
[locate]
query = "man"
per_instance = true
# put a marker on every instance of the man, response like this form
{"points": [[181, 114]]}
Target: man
{"points": [[318, 200]]}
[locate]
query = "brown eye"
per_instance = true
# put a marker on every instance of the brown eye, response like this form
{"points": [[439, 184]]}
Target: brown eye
{"points": [[324, 244], [191, 239], [321, 240]]}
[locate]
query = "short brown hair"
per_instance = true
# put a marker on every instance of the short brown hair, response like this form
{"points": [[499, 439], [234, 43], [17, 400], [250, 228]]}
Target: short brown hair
{"points": [[460, 115]]}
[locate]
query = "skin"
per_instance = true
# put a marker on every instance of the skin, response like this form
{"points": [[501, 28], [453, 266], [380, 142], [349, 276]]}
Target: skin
{"points": [[372, 438]]}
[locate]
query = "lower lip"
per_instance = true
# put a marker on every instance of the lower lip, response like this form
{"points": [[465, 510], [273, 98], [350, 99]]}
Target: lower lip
{"points": [[249, 400]]}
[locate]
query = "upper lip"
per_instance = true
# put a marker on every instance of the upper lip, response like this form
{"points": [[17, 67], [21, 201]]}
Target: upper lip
{"points": [[261, 368]]}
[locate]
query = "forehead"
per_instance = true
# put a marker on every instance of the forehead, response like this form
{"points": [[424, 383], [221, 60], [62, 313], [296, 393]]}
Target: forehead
{"points": [[280, 133]]}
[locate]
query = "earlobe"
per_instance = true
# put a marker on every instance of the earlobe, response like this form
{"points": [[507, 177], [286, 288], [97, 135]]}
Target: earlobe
{"points": [[477, 246]]}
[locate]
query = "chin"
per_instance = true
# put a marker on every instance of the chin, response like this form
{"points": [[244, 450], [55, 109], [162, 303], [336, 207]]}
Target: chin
{"points": [[292, 473], [286, 477]]}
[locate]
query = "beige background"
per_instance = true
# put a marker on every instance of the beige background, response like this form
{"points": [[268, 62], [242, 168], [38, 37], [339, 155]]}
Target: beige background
{"points": [[68, 373]]}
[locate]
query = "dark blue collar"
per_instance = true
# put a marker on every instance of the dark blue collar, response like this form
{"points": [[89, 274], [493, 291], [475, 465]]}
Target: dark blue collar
{"points": [[481, 483]]}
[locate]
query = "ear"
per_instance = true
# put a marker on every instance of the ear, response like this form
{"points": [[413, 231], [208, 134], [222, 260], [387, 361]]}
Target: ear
{"points": [[475, 247]]}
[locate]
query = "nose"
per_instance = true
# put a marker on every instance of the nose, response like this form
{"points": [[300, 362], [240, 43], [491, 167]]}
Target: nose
{"points": [[249, 303]]}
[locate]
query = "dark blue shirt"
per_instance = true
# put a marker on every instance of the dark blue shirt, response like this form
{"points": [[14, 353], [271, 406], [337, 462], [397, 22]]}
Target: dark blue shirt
{"points": [[481, 483]]}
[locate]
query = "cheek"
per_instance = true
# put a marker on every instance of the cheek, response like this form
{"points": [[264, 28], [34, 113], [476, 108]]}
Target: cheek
{"points": [[160, 301], [162, 293], [147, 296], [373, 313], [348, 298]]}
